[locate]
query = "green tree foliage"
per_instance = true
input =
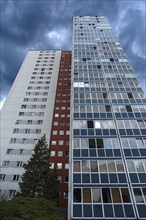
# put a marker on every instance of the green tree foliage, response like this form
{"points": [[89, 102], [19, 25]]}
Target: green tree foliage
{"points": [[29, 208], [38, 179]]}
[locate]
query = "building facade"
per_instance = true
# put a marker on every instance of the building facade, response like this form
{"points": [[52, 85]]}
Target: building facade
{"points": [[37, 104], [94, 120], [107, 178]]}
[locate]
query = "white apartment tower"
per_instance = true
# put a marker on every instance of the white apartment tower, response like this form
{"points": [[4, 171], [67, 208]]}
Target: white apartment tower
{"points": [[27, 115]]}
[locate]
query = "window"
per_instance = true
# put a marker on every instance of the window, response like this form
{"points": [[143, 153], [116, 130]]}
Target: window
{"points": [[61, 132], [86, 195], [52, 153], [60, 153], [19, 164], [59, 165], [53, 142], [2, 177], [108, 108], [92, 143], [52, 166], [65, 195], [61, 142], [99, 143], [54, 132], [94, 167], [128, 108], [66, 165], [116, 195], [55, 123], [21, 151], [77, 195], [130, 95], [125, 195], [106, 195], [90, 124], [85, 166], [12, 193], [9, 151], [66, 179], [15, 177], [66, 153], [59, 179], [96, 195], [77, 166], [138, 195], [6, 163]]}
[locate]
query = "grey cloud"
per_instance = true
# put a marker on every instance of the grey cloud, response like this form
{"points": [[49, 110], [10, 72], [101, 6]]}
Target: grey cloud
{"points": [[27, 24]]}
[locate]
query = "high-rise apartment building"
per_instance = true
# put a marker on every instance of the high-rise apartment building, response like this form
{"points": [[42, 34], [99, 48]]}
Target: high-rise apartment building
{"points": [[107, 177], [38, 104], [94, 121]]}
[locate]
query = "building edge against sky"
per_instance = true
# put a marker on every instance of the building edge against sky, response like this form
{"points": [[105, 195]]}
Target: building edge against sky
{"points": [[107, 128]]}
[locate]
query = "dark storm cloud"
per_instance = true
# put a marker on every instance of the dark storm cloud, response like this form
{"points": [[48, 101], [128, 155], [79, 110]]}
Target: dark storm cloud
{"points": [[36, 24]]}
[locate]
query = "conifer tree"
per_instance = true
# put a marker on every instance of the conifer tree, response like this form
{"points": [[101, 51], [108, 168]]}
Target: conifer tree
{"points": [[38, 179]]}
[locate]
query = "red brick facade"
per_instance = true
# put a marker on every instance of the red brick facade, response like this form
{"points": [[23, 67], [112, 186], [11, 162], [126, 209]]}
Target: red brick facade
{"points": [[59, 140]]}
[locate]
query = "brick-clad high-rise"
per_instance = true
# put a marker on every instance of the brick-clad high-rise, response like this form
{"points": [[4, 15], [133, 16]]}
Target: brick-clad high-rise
{"points": [[91, 107]]}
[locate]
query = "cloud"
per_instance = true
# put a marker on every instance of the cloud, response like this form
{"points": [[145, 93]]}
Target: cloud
{"points": [[48, 25]]}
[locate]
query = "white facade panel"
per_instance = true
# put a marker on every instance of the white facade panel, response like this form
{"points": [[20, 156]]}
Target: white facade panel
{"points": [[27, 114]]}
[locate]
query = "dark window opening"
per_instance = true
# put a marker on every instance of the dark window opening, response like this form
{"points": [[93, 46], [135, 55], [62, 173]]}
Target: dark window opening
{"points": [[92, 143], [99, 143], [90, 124], [77, 195], [99, 66], [84, 59], [125, 195], [128, 108], [130, 95], [107, 108], [111, 59], [104, 95], [106, 195], [66, 179]]}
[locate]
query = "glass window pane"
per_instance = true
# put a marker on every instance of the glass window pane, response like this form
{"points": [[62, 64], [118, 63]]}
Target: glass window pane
{"points": [[138, 195], [139, 166], [116, 195], [77, 166], [96, 194], [106, 195], [119, 165], [107, 143], [85, 166], [86, 195], [84, 143], [139, 142], [125, 142], [130, 165], [111, 166], [125, 195], [76, 143], [115, 143], [94, 167], [97, 124], [102, 166], [77, 195], [132, 142]]}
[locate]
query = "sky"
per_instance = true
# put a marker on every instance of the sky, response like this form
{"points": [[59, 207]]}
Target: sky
{"points": [[47, 24]]}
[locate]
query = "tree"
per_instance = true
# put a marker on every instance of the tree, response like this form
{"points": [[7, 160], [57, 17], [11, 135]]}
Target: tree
{"points": [[38, 179], [29, 208]]}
